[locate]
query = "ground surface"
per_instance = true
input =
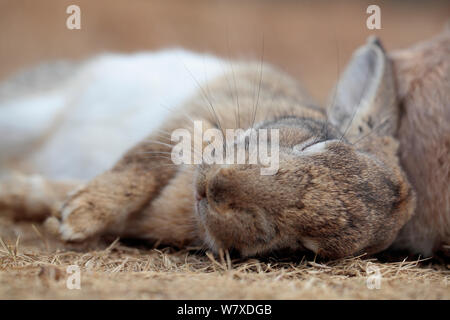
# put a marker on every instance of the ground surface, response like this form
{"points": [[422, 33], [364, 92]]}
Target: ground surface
{"points": [[35, 267]]}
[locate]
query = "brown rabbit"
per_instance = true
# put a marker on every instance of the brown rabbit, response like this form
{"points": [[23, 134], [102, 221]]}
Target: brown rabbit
{"points": [[347, 181]]}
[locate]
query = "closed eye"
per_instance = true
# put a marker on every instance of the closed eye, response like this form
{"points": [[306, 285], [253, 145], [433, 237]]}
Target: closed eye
{"points": [[305, 144], [310, 145]]}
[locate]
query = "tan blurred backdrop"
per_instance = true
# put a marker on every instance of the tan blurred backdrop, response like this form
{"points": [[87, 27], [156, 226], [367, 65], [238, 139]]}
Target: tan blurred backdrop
{"points": [[309, 39]]}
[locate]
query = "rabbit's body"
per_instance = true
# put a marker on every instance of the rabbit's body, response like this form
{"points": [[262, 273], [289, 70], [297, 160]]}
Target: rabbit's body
{"points": [[339, 189], [423, 82], [73, 121]]}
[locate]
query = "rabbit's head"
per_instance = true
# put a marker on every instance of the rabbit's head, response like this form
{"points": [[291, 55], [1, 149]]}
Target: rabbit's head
{"points": [[339, 189]]}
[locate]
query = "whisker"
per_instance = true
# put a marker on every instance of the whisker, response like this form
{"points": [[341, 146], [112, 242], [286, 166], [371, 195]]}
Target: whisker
{"points": [[160, 143], [230, 90], [379, 126], [237, 95], [164, 132], [273, 98], [163, 137], [234, 80], [353, 115], [260, 82], [167, 144], [382, 123], [333, 99], [179, 110], [205, 96], [171, 146], [158, 157], [162, 155], [154, 152], [181, 166]]}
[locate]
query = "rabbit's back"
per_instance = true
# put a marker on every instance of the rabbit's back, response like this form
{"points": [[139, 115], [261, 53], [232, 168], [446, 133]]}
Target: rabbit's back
{"points": [[423, 81]]}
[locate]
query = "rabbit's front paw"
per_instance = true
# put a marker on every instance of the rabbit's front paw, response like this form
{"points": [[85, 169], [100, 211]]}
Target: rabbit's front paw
{"points": [[83, 217], [102, 206]]}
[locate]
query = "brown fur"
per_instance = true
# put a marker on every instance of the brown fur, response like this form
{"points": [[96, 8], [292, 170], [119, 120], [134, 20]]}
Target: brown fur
{"points": [[423, 81], [348, 198]]}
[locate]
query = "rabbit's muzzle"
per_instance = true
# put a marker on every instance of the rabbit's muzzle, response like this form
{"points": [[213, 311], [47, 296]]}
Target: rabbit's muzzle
{"points": [[225, 208]]}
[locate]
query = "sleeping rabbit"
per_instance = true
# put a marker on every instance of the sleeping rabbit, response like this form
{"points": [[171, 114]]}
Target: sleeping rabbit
{"points": [[88, 147]]}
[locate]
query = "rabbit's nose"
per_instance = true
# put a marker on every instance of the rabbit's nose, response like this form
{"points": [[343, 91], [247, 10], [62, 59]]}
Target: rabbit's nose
{"points": [[200, 190], [200, 194]]}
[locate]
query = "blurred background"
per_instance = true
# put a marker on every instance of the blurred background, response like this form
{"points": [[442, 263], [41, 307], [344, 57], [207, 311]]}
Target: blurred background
{"points": [[311, 40]]}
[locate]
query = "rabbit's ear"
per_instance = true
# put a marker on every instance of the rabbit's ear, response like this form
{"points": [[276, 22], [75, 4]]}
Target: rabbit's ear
{"points": [[365, 95]]}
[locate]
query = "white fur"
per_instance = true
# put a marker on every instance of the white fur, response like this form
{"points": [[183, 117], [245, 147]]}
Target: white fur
{"points": [[316, 148], [24, 119], [109, 104], [310, 150]]}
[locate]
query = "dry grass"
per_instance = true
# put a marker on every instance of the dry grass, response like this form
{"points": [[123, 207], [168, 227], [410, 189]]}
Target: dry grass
{"points": [[37, 269]]}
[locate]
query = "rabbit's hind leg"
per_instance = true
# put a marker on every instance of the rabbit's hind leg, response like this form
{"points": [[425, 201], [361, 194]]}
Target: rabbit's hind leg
{"points": [[32, 197]]}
